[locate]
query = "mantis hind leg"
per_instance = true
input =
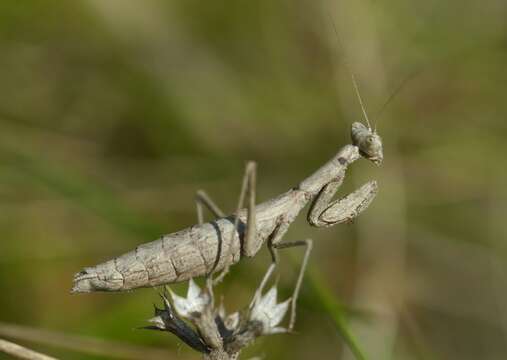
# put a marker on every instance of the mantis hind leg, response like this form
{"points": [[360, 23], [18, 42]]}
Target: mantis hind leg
{"points": [[248, 189], [202, 199]]}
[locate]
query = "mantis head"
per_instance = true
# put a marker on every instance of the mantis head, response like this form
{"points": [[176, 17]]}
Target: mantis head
{"points": [[368, 142]]}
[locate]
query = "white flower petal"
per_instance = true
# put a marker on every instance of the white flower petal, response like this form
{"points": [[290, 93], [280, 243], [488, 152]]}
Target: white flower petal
{"points": [[181, 304], [276, 330], [232, 321], [221, 311], [193, 290], [277, 313], [269, 300], [266, 311], [195, 302], [260, 313], [157, 321]]}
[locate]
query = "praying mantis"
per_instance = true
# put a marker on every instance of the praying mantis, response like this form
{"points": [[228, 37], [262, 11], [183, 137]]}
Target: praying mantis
{"points": [[207, 248]]}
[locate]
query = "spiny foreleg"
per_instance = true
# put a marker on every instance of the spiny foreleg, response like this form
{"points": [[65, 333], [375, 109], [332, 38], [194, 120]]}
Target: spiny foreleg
{"points": [[324, 212]]}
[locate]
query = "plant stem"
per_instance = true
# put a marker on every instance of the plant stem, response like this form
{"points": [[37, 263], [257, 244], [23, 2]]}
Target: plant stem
{"points": [[21, 352]]}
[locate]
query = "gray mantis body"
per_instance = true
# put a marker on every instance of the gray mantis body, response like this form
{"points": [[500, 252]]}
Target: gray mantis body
{"points": [[208, 247]]}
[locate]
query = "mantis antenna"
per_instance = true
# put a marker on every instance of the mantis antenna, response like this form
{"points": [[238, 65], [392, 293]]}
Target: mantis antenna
{"points": [[354, 82], [393, 95], [356, 86]]}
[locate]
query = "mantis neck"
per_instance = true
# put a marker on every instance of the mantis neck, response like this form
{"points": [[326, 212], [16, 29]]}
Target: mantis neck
{"points": [[331, 171]]}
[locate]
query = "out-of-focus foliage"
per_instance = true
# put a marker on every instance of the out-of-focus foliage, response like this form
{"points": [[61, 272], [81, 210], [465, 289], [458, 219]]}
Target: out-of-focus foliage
{"points": [[113, 113]]}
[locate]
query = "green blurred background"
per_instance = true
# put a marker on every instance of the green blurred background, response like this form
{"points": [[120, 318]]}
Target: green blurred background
{"points": [[113, 113]]}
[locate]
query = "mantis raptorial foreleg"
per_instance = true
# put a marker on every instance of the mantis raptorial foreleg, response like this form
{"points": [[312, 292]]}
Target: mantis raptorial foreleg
{"points": [[325, 212], [322, 201], [248, 189]]}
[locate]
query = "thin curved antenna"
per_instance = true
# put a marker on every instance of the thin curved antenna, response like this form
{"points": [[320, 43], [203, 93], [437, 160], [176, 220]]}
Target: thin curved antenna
{"points": [[356, 86], [393, 95]]}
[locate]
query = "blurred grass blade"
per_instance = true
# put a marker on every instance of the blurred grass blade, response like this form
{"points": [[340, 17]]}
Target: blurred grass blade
{"points": [[21, 352], [88, 194], [84, 344], [336, 311]]}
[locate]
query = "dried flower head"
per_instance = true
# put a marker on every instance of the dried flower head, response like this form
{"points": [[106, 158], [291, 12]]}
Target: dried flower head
{"points": [[195, 302], [166, 320], [266, 311], [210, 330], [231, 321]]}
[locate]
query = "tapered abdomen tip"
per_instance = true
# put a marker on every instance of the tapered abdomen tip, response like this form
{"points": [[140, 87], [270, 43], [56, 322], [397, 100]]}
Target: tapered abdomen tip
{"points": [[97, 278], [84, 282]]}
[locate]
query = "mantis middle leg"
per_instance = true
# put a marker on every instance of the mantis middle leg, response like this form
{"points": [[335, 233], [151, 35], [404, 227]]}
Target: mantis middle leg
{"points": [[274, 244], [308, 243], [203, 199]]}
